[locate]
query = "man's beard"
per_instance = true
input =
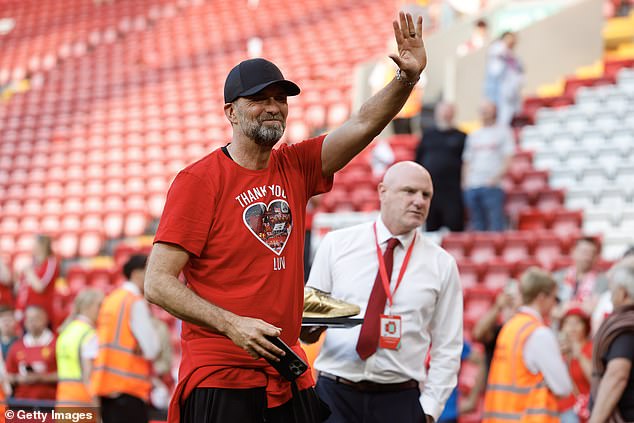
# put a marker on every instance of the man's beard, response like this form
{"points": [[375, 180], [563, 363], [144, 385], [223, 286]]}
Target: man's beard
{"points": [[261, 134]]}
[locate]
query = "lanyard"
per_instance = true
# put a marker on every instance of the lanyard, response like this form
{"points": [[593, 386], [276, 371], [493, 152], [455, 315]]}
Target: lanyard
{"points": [[383, 270]]}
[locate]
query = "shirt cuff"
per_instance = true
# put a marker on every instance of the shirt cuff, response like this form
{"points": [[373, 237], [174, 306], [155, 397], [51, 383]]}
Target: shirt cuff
{"points": [[430, 407]]}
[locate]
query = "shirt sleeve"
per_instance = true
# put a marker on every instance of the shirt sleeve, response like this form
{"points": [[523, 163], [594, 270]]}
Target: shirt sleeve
{"points": [[90, 347], [143, 330], [187, 215], [309, 155], [621, 347], [541, 354], [446, 349], [321, 270]]}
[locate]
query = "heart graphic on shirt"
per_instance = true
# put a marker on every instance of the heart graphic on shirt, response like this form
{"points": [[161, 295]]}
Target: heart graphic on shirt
{"points": [[271, 224]]}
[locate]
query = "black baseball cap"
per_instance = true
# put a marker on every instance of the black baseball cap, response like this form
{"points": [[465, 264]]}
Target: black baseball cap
{"points": [[254, 75]]}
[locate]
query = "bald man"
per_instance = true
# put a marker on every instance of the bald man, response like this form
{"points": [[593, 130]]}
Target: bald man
{"points": [[440, 151], [376, 372]]}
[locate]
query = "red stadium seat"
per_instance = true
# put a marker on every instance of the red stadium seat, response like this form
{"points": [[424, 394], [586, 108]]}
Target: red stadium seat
{"points": [[567, 223], [517, 246], [497, 274], [470, 273], [458, 244], [485, 246]]}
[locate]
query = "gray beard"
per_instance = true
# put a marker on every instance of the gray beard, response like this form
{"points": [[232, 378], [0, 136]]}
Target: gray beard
{"points": [[266, 136]]}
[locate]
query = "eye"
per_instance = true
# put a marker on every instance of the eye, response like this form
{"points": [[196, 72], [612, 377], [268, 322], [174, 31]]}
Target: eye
{"points": [[281, 99]]}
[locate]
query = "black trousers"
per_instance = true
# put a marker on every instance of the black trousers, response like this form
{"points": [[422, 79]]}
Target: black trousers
{"points": [[351, 406], [216, 405], [124, 409]]}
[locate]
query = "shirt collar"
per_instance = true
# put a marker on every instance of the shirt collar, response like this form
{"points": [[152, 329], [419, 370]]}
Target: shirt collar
{"points": [[44, 339], [130, 286], [383, 234], [531, 311]]}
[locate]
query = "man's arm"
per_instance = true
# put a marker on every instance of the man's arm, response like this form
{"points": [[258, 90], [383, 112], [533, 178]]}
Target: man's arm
{"points": [[143, 330], [345, 142], [446, 349], [610, 390], [541, 351], [163, 288], [484, 328]]}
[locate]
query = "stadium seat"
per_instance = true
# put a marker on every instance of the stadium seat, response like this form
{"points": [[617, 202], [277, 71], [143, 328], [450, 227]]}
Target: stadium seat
{"points": [[485, 246]]}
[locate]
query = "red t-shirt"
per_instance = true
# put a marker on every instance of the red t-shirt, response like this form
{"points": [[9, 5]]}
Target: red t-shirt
{"points": [[39, 359], [48, 272], [244, 230], [578, 379]]}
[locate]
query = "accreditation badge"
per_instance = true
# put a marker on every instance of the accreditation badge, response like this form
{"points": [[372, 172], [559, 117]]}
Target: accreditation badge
{"points": [[390, 332]]}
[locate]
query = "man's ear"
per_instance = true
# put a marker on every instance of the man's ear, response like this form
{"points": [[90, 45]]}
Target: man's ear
{"points": [[230, 113]]}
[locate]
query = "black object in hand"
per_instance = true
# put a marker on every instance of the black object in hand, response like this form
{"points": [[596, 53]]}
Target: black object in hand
{"points": [[290, 366]]}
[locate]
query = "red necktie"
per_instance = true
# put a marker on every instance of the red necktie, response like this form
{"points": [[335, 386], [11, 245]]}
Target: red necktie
{"points": [[369, 336]]}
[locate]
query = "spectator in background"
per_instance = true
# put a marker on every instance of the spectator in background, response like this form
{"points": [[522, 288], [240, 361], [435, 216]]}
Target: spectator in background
{"points": [[604, 305], [127, 345], [76, 349], [8, 329], [527, 372], [486, 158], [37, 282], [576, 347], [6, 285], [487, 329], [504, 78], [31, 364], [582, 283], [440, 152], [479, 38], [371, 373], [613, 353]]}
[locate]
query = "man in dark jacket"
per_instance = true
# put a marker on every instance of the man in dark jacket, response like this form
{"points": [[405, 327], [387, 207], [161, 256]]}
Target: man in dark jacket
{"points": [[440, 152]]}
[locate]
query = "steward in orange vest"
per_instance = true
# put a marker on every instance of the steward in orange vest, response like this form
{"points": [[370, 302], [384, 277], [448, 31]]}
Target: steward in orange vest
{"points": [[122, 373], [514, 392]]}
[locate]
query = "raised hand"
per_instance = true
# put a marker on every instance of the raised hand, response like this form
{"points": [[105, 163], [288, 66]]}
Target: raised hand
{"points": [[412, 57]]}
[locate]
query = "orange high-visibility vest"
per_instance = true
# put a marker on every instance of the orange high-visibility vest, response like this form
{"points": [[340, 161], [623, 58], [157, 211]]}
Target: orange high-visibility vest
{"points": [[514, 394], [120, 367]]}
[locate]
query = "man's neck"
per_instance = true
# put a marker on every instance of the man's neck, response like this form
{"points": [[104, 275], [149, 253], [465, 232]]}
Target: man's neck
{"points": [[248, 154]]}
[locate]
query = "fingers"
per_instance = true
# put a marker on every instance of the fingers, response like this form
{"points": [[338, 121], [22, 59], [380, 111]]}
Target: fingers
{"points": [[397, 32], [403, 20], [405, 27], [411, 29], [267, 350], [419, 27]]}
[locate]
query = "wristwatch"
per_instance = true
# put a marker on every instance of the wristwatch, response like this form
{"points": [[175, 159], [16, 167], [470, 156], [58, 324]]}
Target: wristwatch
{"points": [[399, 77]]}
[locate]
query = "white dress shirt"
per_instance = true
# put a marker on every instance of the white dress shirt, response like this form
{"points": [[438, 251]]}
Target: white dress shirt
{"points": [[141, 325], [541, 353], [428, 300]]}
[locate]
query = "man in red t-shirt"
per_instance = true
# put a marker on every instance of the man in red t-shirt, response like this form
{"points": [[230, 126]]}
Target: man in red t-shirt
{"points": [[233, 223], [31, 363]]}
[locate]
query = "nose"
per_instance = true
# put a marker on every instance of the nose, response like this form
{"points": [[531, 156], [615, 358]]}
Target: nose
{"points": [[271, 105]]}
